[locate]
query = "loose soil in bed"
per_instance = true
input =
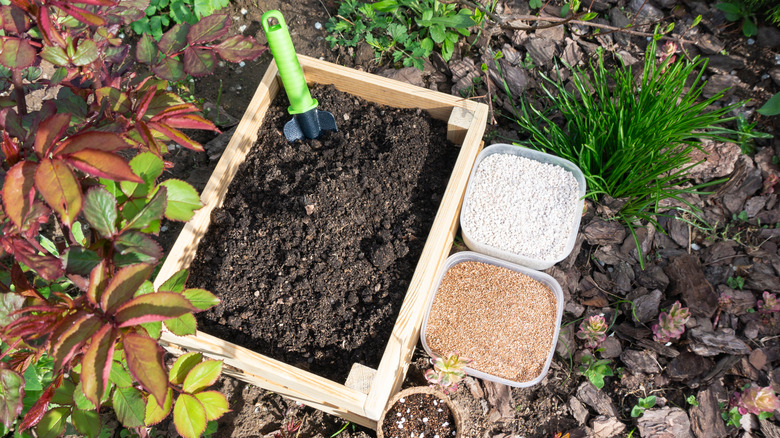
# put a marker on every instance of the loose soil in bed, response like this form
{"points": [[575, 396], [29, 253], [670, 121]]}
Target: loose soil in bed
{"points": [[317, 241]]}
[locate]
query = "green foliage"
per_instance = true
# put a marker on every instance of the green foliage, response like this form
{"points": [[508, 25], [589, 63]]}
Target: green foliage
{"points": [[407, 30], [632, 141], [691, 400], [642, 405], [78, 313], [746, 135], [771, 107], [595, 370], [736, 282], [736, 10], [162, 14]]}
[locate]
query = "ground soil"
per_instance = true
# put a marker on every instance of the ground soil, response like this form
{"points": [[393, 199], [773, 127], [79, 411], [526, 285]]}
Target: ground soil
{"points": [[317, 241], [602, 275]]}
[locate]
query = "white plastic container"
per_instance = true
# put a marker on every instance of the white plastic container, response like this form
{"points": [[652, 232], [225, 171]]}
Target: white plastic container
{"points": [[466, 256], [533, 263]]}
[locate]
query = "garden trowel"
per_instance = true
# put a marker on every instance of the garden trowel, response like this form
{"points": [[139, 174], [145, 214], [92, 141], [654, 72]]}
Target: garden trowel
{"points": [[307, 120]]}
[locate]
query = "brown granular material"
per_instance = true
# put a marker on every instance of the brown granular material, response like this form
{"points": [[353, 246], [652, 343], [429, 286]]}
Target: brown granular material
{"points": [[501, 319]]}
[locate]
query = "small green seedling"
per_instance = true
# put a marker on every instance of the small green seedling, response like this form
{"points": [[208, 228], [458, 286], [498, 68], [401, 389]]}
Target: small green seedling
{"points": [[691, 400], [595, 370], [736, 282], [642, 405]]}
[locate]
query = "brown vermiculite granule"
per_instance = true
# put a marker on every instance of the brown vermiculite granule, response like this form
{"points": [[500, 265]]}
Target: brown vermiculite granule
{"points": [[502, 319]]}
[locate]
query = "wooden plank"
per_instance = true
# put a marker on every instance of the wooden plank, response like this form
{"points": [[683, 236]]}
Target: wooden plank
{"points": [[403, 339], [383, 90], [458, 124], [277, 376]]}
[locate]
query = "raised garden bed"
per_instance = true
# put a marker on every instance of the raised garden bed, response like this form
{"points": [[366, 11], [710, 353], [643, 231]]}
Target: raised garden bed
{"points": [[363, 401]]}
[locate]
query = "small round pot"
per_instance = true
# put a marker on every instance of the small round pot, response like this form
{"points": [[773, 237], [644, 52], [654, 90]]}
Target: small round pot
{"points": [[456, 414]]}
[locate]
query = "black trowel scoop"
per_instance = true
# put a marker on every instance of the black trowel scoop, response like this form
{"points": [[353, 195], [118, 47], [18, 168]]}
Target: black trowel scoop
{"points": [[307, 120]]}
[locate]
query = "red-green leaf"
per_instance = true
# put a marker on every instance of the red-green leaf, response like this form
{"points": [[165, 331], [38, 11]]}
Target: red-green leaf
{"points": [[146, 51], [16, 53], [49, 132], [47, 266], [209, 29], [183, 365], [136, 247], [189, 416], [183, 200], [182, 326], [82, 15], [97, 282], [101, 141], [129, 405], [174, 40], [190, 121], [239, 48], [199, 62], [19, 191], [86, 53], [86, 423], [100, 211], [118, 100], [13, 20], [177, 136], [37, 411], [96, 364], [202, 376], [60, 189], [154, 412], [53, 423], [123, 286], [56, 55], [102, 164], [153, 307], [169, 69], [73, 338], [79, 260], [11, 395], [151, 213], [215, 404], [144, 359], [201, 298], [176, 282]]}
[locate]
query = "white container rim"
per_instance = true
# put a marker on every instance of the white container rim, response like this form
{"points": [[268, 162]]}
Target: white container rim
{"points": [[534, 263], [547, 280]]}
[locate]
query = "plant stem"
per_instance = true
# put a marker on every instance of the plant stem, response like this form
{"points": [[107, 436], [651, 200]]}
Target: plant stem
{"points": [[21, 102]]}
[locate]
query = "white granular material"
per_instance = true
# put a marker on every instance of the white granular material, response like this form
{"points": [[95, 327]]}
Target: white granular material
{"points": [[521, 206]]}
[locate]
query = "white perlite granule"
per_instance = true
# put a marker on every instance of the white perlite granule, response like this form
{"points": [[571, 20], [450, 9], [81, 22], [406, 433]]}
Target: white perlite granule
{"points": [[521, 206]]}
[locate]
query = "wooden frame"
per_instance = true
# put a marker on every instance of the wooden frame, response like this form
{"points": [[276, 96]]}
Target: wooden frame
{"points": [[466, 125]]}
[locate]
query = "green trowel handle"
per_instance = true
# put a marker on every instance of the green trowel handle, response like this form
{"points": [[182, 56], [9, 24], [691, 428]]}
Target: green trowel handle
{"points": [[289, 69]]}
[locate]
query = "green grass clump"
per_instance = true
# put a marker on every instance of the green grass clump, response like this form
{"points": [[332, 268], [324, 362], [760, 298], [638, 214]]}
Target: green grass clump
{"points": [[633, 141]]}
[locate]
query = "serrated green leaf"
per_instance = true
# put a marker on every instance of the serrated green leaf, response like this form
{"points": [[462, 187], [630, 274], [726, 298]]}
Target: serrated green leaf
{"points": [[147, 166], [86, 422], [100, 211], [153, 329], [202, 376], [771, 107], [64, 394], [119, 376], [176, 282], [189, 416], [183, 200], [80, 260], [201, 299], [129, 406], [82, 402], [183, 365], [182, 326], [86, 53], [155, 413], [214, 403], [53, 423]]}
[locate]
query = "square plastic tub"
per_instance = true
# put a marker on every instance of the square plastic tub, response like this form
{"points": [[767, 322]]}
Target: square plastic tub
{"points": [[522, 260], [467, 256]]}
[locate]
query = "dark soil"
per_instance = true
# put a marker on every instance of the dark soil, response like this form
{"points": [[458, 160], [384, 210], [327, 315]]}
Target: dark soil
{"points": [[419, 415], [317, 241]]}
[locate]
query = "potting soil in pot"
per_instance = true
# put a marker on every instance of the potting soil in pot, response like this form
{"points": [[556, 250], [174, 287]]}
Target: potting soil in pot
{"points": [[419, 415], [501, 319], [317, 241]]}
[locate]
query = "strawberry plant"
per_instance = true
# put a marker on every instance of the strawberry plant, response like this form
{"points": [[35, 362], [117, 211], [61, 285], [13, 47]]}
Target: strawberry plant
{"points": [[79, 316]]}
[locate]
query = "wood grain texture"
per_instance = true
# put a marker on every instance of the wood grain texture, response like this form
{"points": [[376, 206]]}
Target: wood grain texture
{"points": [[257, 369]]}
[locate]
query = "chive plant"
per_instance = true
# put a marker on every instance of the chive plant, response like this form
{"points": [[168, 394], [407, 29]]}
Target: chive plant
{"points": [[633, 141]]}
